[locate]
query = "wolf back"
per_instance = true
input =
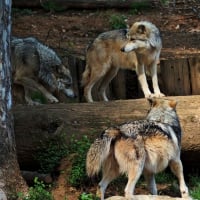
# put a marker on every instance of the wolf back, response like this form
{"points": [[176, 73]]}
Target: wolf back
{"points": [[33, 63], [137, 48], [135, 147]]}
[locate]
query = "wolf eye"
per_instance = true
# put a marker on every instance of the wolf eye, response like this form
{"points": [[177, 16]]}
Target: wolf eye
{"points": [[132, 39]]}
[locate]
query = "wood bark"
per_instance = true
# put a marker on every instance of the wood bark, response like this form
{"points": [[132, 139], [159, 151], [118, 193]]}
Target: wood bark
{"points": [[86, 4], [35, 125], [10, 178]]}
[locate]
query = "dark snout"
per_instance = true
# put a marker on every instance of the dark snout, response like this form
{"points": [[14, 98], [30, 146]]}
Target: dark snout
{"points": [[122, 49]]}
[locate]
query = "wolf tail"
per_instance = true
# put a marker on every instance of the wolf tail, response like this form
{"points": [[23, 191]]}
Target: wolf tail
{"points": [[86, 76], [99, 150]]}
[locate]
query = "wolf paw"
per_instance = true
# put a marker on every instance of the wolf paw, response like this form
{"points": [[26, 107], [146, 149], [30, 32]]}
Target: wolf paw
{"points": [[158, 95], [130, 196], [53, 99], [185, 193]]}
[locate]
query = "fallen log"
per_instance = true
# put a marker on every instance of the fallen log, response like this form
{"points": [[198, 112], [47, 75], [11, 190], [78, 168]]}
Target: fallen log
{"points": [[35, 125], [81, 4]]}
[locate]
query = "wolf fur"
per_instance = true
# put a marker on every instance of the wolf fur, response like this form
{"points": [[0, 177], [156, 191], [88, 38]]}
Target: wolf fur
{"points": [[33, 63], [145, 146], [137, 49]]}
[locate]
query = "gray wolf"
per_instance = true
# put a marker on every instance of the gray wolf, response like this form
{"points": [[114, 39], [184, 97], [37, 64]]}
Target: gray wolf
{"points": [[35, 65], [145, 146], [137, 49]]}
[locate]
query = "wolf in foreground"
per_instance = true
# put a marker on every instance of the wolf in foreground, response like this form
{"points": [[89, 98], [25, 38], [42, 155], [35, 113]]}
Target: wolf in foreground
{"points": [[33, 63], [137, 49], [145, 146]]}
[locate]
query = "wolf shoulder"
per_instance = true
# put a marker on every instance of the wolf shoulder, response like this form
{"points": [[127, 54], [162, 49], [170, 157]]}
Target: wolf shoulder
{"points": [[110, 36]]}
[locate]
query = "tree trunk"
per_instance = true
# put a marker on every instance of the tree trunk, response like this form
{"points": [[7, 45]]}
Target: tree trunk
{"points": [[10, 178], [34, 125]]}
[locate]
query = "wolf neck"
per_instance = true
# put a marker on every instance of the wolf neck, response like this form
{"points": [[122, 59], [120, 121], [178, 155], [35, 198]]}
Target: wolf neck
{"points": [[167, 118]]}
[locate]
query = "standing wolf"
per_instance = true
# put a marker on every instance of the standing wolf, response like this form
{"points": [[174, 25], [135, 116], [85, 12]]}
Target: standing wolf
{"points": [[33, 63], [136, 49], [144, 146]]}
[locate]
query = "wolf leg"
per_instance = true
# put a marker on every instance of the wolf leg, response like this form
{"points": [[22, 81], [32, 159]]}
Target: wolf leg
{"points": [[143, 81], [28, 98], [29, 83], [151, 183], [94, 78], [106, 80], [154, 77], [103, 184], [177, 168], [133, 176], [110, 171]]}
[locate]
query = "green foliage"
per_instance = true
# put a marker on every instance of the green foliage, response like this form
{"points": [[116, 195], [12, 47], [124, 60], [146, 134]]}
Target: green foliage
{"points": [[37, 192], [164, 177], [50, 5], [139, 6], [79, 148], [87, 196], [38, 97], [51, 153], [164, 2], [195, 186], [117, 21]]}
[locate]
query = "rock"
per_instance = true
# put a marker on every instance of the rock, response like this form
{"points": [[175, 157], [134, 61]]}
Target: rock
{"points": [[148, 197]]}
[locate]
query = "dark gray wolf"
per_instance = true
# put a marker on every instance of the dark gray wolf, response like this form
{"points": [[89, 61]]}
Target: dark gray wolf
{"points": [[145, 146], [33, 63], [137, 49]]}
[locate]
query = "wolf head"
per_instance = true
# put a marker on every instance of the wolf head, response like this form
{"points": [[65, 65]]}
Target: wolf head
{"points": [[64, 80], [164, 111], [59, 77], [142, 35]]}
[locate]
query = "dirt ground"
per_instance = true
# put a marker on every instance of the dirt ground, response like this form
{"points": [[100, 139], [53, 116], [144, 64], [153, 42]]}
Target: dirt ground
{"points": [[73, 30]]}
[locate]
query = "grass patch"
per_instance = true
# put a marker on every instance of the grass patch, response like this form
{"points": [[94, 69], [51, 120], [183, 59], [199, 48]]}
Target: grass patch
{"points": [[38, 97], [194, 183], [88, 196], [51, 153], [117, 21], [164, 177], [52, 6], [79, 148], [38, 192], [137, 7]]}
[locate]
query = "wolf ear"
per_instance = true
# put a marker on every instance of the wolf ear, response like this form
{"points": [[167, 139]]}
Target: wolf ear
{"points": [[154, 39], [152, 101], [173, 104], [141, 29]]}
